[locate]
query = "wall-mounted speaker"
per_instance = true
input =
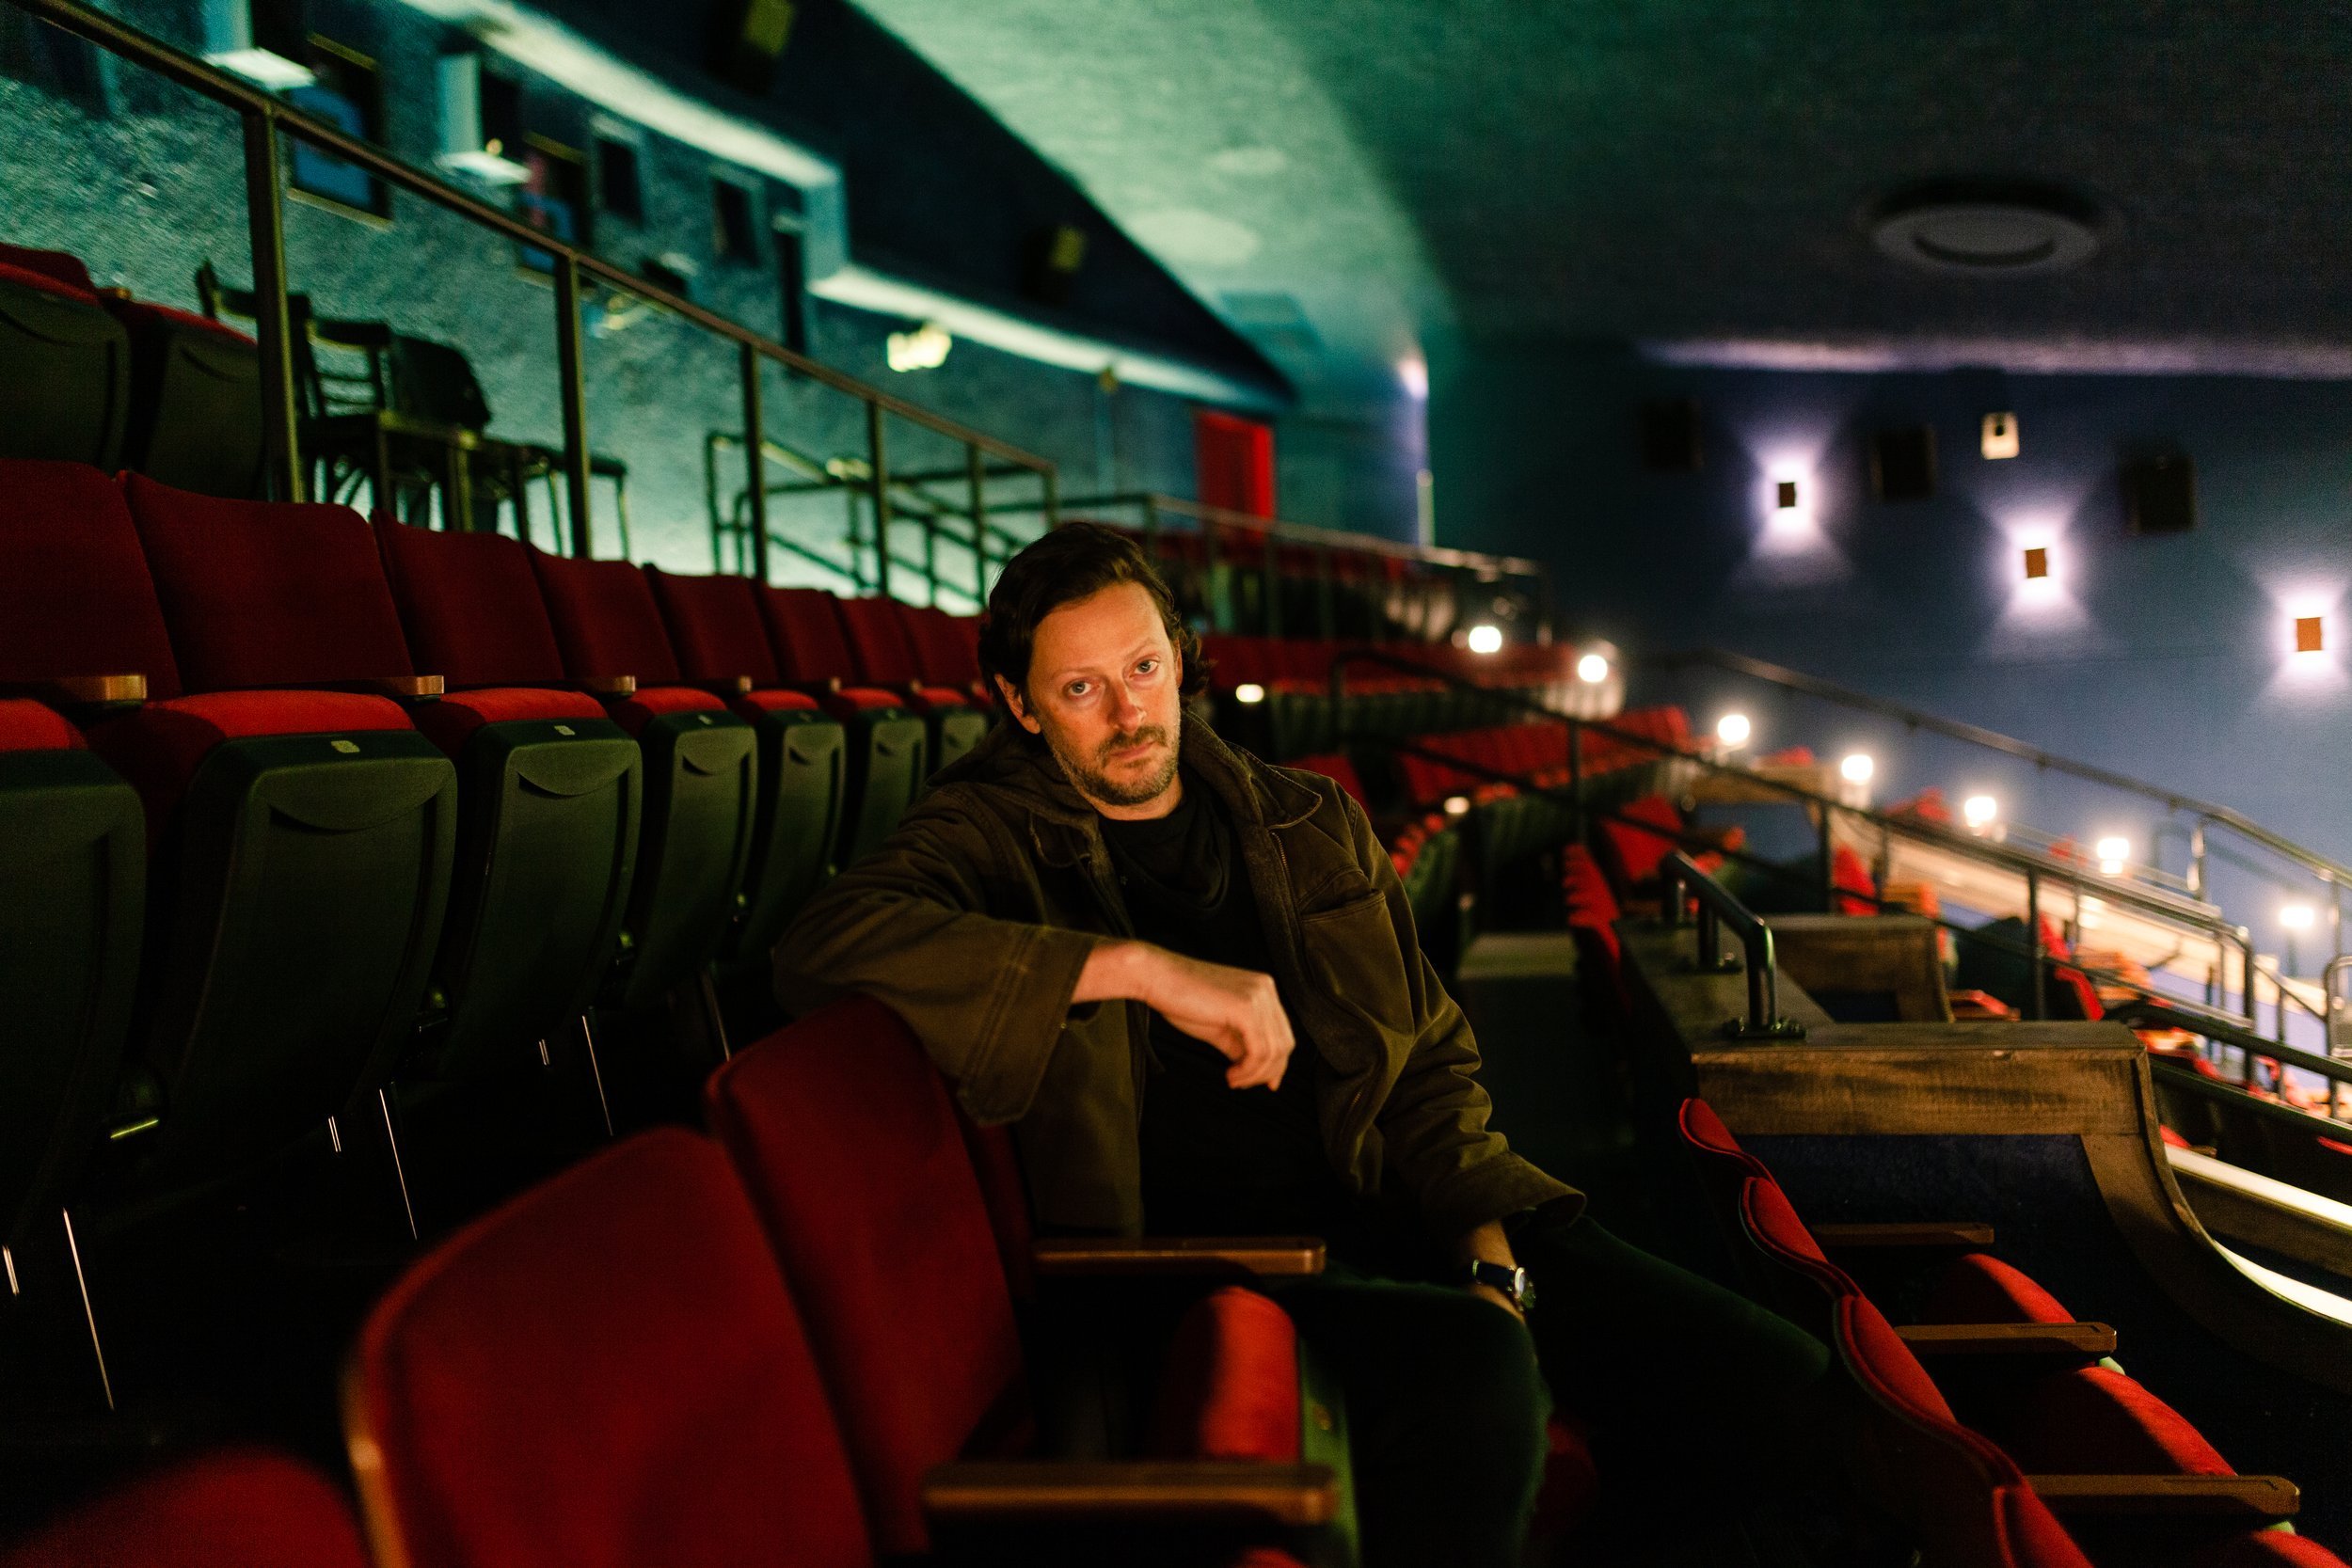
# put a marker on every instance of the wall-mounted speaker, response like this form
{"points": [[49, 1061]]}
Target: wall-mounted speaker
{"points": [[2159, 491], [1050, 262], [1671, 442], [1903, 464], [746, 36]]}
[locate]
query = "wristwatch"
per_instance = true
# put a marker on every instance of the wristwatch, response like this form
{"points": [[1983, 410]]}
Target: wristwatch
{"points": [[1511, 1282]]}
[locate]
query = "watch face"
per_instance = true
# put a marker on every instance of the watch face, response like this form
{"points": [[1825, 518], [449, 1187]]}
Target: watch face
{"points": [[1525, 1291]]}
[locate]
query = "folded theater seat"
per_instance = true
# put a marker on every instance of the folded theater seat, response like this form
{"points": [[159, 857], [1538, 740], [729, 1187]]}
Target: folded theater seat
{"points": [[702, 769], [235, 1508], [949, 649], [299, 835], [196, 419], [865, 1176], [2123, 1468], [878, 636], [73, 894], [889, 745], [674, 1412], [716, 630], [64, 362], [551, 800]]}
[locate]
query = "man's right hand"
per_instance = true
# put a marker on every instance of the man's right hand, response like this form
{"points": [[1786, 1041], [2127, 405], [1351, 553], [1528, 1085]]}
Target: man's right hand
{"points": [[1236, 1010]]}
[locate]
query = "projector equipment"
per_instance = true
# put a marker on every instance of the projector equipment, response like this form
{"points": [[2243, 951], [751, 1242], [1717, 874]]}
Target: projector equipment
{"points": [[1903, 464], [1670, 437], [1049, 269], [2160, 492], [746, 36]]}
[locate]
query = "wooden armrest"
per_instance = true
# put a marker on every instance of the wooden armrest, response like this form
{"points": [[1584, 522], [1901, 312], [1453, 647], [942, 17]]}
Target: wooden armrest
{"points": [[1979, 1005], [1178, 1491], [2205, 1496], [2087, 1341], [1922, 1233], [1065, 1257], [608, 686], [728, 686], [412, 687], [80, 690]]}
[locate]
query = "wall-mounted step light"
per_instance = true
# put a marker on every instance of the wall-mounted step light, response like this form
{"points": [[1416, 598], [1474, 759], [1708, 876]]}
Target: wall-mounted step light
{"points": [[480, 121], [2037, 563], [1592, 669], [1785, 495], [2309, 636], [2160, 492], [2000, 436], [1979, 810], [2113, 853], [1732, 729], [266, 45], [1857, 768], [1485, 639]]}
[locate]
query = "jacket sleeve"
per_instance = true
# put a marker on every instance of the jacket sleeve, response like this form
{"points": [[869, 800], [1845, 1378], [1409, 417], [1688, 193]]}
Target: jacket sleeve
{"points": [[1459, 1172], [986, 996]]}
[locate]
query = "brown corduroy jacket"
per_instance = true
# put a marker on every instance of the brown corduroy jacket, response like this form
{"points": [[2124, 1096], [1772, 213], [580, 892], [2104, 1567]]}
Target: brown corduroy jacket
{"points": [[973, 918]]}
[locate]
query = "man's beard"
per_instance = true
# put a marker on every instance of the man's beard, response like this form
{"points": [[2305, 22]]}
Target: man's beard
{"points": [[1093, 783]]}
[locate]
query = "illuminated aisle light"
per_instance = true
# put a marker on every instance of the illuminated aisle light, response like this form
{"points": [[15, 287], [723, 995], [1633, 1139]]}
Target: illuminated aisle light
{"points": [[1249, 691], [2298, 917], [2037, 563], [1979, 810], [2112, 853], [2309, 635], [1486, 639], [1857, 767], [1732, 729], [1592, 669], [1787, 496], [1455, 805]]}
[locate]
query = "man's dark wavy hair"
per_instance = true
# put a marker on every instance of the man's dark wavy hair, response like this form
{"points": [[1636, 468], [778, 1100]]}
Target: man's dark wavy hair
{"points": [[1072, 562]]}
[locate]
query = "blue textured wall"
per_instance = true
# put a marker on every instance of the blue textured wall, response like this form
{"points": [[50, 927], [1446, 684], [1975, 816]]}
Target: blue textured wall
{"points": [[144, 182], [2162, 657]]}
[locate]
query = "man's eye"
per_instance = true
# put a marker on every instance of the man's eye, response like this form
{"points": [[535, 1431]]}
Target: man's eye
{"points": [[1147, 666], [1075, 688]]}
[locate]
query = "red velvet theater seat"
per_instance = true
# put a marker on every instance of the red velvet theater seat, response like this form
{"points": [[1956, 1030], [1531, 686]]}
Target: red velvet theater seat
{"points": [[702, 769], [715, 628], [72, 891], [196, 418], [606, 1372], [884, 650], [550, 797], [889, 747], [65, 363], [858, 1163], [241, 1508], [948, 647], [299, 840]]}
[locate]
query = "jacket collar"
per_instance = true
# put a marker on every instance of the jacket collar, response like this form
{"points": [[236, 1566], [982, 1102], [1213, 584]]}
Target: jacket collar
{"points": [[1012, 762]]}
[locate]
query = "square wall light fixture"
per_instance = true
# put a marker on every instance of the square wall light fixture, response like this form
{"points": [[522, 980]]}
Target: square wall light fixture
{"points": [[1785, 495], [2000, 436], [2037, 563], [2309, 638]]}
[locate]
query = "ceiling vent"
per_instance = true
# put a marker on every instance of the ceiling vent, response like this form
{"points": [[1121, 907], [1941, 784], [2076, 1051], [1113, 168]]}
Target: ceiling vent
{"points": [[1986, 229]]}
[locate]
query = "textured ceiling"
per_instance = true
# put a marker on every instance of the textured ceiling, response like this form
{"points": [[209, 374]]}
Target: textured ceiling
{"points": [[1689, 172]]}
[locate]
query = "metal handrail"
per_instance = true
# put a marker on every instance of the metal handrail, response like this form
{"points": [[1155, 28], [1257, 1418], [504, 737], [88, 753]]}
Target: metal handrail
{"points": [[2165, 1013], [264, 115], [1717, 909], [1795, 680], [2034, 868]]}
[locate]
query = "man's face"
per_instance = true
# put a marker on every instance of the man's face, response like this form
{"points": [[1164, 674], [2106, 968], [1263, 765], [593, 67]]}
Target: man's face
{"points": [[1103, 694]]}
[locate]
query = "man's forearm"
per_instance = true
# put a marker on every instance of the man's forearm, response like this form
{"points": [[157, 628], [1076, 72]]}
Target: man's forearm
{"points": [[1487, 1243], [1115, 972]]}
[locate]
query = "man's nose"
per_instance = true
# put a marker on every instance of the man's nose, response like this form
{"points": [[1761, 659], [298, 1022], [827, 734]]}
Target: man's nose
{"points": [[1129, 711]]}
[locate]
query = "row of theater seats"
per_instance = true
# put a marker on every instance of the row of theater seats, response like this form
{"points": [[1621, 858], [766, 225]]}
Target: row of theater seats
{"points": [[100, 377], [1274, 694], [739, 1372], [296, 805], [2054, 1430]]}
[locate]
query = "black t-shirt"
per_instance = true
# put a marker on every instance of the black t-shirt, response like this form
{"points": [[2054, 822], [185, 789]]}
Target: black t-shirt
{"points": [[1217, 1161]]}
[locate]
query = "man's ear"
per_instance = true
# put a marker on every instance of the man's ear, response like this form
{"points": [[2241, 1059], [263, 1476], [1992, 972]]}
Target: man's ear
{"points": [[1014, 706]]}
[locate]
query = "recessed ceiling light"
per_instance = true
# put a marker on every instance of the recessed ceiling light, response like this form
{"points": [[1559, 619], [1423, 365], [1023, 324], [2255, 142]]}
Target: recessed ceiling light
{"points": [[1986, 229]]}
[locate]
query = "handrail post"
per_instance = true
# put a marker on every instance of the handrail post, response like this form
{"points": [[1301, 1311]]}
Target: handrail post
{"points": [[877, 476], [1053, 498], [1763, 987], [976, 478], [755, 464], [2245, 947], [1828, 861], [1710, 936], [568, 355], [2197, 858], [265, 220], [2039, 1006]]}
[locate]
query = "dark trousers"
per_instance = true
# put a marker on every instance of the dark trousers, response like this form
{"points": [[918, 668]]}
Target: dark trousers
{"points": [[1690, 1391]]}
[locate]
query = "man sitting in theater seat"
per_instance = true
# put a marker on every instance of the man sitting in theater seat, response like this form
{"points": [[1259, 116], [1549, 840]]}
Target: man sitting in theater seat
{"points": [[1191, 981]]}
